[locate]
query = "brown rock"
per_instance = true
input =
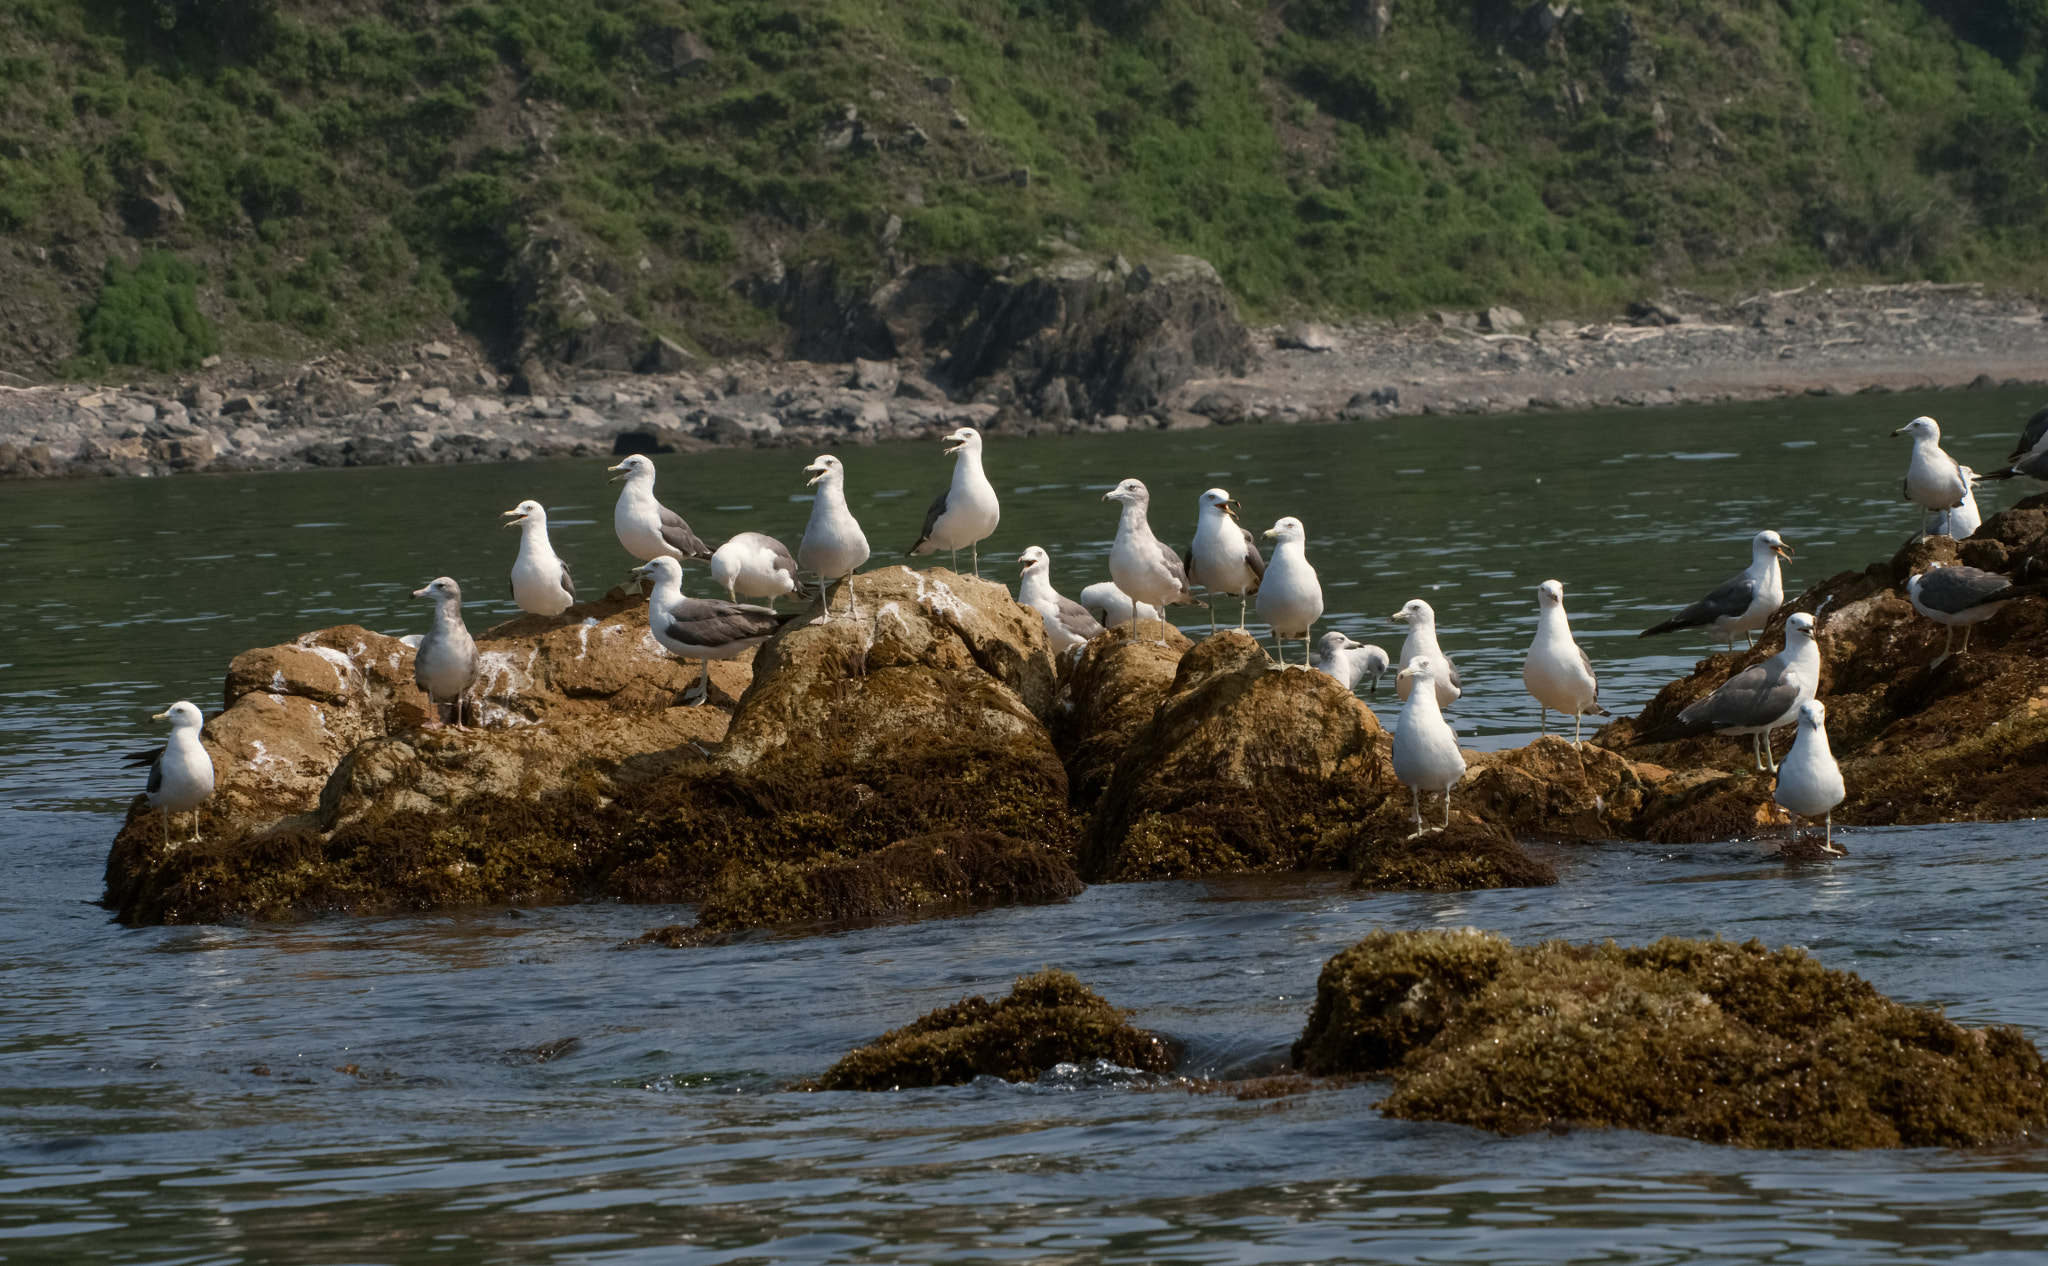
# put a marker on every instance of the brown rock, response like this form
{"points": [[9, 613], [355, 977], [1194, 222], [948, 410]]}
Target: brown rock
{"points": [[1110, 694]]}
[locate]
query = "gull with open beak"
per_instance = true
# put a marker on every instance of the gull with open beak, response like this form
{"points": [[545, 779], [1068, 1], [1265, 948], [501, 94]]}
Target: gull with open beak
{"points": [[180, 772], [967, 512], [540, 581], [833, 547], [1743, 604], [1224, 557], [1067, 623]]}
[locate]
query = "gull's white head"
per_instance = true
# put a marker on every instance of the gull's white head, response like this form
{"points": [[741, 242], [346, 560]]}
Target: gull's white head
{"points": [[1813, 715], [1288, 531], [440, 589], [1335, 640], [638, 466], [181, 715], [1036, 561], [1421, 666], [1921, 428], [1769, 542], [663, 569], [1969, 476], [1131, 492], [1550, 594], [1800, 627], [1415, 612], [826, 467], [966, 439], [1219, 499], [526, 512]]}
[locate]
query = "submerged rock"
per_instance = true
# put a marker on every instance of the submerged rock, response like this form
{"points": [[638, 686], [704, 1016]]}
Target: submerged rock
{"points": [[1049, 1018], [1707, 1040]]}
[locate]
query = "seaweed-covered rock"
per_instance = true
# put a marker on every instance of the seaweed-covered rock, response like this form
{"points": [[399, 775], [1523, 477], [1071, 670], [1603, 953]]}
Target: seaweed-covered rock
{"points": [[1114, 687], [1048, 1018], [1467, 856], [1707, 1040]]}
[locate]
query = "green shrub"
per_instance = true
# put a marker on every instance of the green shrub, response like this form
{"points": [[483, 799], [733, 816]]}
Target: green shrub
{"points": [[149, 315]]}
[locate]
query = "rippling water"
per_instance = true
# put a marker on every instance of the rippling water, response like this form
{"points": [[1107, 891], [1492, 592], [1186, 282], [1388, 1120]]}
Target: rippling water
{"points": [[503, 1085]]}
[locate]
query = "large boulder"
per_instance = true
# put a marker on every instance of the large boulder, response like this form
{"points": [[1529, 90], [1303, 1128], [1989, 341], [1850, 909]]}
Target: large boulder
{"points": [[1111, 691]]}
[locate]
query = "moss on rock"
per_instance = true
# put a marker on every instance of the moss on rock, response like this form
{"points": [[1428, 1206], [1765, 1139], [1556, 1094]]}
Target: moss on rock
{"points": [[1708, 1040], [1048, 1018], [1467, 856]]}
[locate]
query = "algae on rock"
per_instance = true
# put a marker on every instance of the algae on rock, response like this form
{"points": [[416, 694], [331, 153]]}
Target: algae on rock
{"points": [[1707, 1040]]}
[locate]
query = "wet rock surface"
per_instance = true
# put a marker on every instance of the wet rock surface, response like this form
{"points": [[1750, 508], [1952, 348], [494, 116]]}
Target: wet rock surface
{"points": [[1708, 1040]]}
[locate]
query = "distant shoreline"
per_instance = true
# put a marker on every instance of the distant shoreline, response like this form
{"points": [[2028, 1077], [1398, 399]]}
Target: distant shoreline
{"points": [[450, 406]]}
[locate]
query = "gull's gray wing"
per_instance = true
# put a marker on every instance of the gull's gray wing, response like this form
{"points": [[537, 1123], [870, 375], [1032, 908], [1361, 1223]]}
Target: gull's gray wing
{"points": [[1074, 618], [1954, 590], [152, 758], [1456, 680], [568, 585], [1588, 665], [931, 520], [2031, 438], [1727, 602], [784, 562], [678, 534], [1253, 559], [2032, 466], [1756, 696], [1178, 570], [711, 622]]}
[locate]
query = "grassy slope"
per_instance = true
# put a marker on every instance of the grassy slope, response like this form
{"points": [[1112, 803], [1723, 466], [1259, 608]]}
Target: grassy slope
{"points": [[354, 171]]}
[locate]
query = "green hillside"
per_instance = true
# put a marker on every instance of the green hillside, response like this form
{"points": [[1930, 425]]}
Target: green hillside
{"points": [[347, 173]]}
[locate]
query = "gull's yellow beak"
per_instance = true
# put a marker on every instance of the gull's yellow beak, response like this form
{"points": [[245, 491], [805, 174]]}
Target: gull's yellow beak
{"points": [[820, 474], [1272, 531], [1231, 508], [620, 466], [515, 517], [161, 716], [1782, 550], [1900, 431]]}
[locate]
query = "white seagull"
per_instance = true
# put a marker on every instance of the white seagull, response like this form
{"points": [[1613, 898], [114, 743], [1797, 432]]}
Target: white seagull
{"points": [[757, 565], [1113, 606], [1933, 480], [1809, 780], [703, 629], [1961, 522], [1421, 640], [833, 547], [1962, 597], [1556, 670], [445, 663], [1426, 755], [1224, 557], [180, 772], [1350, 662], [647, 528], [540, 581], [1138, 563], [966, 513], [1758, 699], [1067, 622], [1743, 604], [1290, 596]]}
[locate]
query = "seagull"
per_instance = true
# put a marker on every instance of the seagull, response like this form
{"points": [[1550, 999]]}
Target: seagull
{"points": [[1933, 480], [1349, 661], [703, 629], [1557, 671], [1961, 522], [1113, 606], [1224, 557], [647, 528], [444, 663], [966, 513], [1067, 622], [180, 772], [1745, 603], [1758, 699], [1809, 781], [1962, 597], [1290, 596], [1426, 755], [1138, 563], [2033, 436], [757, 565], [1421, 640], [540, 581], [833, 547]]}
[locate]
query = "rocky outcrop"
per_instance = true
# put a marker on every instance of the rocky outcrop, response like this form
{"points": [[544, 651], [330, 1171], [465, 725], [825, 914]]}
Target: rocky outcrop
{"points": [[1111, 691], [1706, 1040]]}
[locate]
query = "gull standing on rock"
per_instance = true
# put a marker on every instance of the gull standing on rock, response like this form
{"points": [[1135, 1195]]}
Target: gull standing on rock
{"points": [[647, 528], [1962, 597], [1067, 623], [180, 772], [1962, 522], [1142, 567], [1758, 699], [445, 663], [1745, 603], [703, 629], [1290, 595], [1426, 755], [1421, 640], [1113, 606], [966, 513], [1933, 480], [1224, 557], [2029, 458], [1809, 781], [757, 565], [833, 547], [540, 581], [1349, 661], [1556, 670]]}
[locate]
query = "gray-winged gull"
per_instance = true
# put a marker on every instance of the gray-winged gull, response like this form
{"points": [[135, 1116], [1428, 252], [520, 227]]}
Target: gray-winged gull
{"points": [[1290, 595], [1962, 597], [540, 581], [1743, 604], [1756, 700], [647, 528], [2029, 459], [1933, 482], [1556, 670], [703, 629], [445, 663], [1420, 618], [833, 546], [1426, 755], [1224, 557], [1138, 563], [1113, 606], [757, 565], [1067, 623], [1350, 662], [1809, 780], [180, 772], [965, 514]]}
